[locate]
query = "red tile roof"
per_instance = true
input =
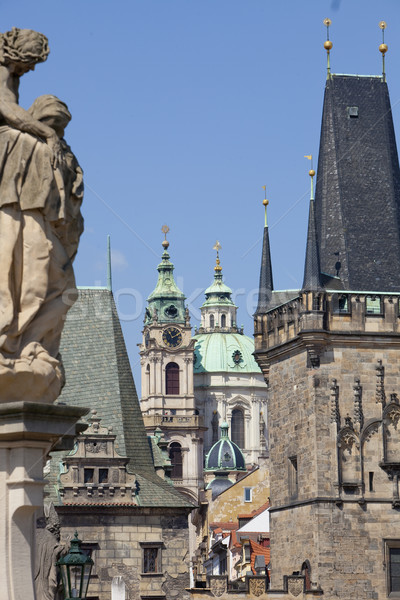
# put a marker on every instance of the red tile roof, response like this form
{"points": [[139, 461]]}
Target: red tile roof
{"points": [[257, 550]]}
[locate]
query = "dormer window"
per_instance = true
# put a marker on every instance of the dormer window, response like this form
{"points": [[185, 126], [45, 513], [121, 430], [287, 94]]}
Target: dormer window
{"points": [[103, 475], [88, 475]]}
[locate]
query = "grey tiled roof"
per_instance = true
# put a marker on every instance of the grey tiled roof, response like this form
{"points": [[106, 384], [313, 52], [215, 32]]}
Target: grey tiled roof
{"points": [[98, 376], [357, 201]]}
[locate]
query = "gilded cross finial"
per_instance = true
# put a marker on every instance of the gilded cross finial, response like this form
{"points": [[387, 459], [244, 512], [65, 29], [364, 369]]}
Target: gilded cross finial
{"points": [[165, 230], [217, 246], [328, 46], [265, 203], [311, 173], [383, 48]]}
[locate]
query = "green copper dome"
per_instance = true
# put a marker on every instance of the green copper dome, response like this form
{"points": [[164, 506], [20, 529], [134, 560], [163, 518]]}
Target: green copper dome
{"points": [[228, 352], [166, 304], [225, 455]]}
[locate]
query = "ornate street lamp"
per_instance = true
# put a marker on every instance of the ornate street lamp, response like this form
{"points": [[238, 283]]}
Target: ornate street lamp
{"points": [[75, 569]]}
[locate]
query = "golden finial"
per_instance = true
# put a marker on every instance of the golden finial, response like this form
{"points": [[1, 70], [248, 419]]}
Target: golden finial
{"points": [[165, 242], [217, 246], [328, 44], [383, 48], [265, 202], [311, 173]]}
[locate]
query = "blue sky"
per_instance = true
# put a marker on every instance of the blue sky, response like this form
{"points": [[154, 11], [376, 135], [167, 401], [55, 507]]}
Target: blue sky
{"points": [[182, 110]]}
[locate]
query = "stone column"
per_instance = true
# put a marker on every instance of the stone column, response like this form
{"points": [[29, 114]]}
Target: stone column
{"points": [[28, 431]]}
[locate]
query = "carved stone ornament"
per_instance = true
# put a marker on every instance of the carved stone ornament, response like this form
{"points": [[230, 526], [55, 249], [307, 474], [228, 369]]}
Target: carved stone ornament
{"points": [[256, 587], [40, 227], [95, 447], [295, 586], [218, 586]]}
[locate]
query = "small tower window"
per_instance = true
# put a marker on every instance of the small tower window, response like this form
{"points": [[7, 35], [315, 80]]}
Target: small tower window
{"points": [[223, 320], [237, 427], [373, 305], [212, 321], [175, 454], [172, 379], [352, 112]]}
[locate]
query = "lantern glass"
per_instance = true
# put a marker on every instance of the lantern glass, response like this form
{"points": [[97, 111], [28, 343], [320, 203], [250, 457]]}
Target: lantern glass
{"points": [[75, 572], [85, 579]]}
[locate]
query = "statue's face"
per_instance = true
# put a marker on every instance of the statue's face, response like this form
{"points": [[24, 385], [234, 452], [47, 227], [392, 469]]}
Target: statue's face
{"points": [[20, 69]]}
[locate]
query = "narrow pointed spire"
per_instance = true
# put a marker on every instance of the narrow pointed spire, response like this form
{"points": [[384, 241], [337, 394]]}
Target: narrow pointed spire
{"points": [[312, 273], [109, 276], [266, 283]]}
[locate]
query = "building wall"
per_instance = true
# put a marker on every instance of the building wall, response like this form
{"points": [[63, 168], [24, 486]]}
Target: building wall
{"points": [[328, 415], [118, 550], [230, 503]]}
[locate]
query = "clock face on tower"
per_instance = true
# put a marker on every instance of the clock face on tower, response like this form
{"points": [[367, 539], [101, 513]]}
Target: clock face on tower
{"points": [[172, 337]]}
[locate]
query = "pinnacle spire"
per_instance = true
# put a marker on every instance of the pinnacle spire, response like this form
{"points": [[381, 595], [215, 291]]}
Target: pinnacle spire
{"points": [[266, 284], [312, 272]]}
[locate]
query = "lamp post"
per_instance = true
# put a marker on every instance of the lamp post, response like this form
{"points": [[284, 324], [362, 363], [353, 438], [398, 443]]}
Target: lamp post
{"points": [[75, 568]]}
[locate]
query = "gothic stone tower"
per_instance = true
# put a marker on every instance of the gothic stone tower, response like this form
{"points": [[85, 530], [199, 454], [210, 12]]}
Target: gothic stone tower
{"points": [[331, 355], [167, 398]]}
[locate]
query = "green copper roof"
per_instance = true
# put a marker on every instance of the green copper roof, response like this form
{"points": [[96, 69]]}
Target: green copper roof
{"points": [[218, 293], [166, 303], [229, 352], [225, 454]]}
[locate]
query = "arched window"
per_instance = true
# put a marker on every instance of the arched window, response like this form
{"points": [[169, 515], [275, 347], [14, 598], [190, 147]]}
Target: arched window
{"points": [[212, 321], [148, 378], [223, 320], [175, 454], [237, 427], [172, 379], [306, 572]]}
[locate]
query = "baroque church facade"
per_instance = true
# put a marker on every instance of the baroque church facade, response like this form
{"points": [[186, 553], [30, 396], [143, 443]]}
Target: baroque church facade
{"points": [[330, 353]]}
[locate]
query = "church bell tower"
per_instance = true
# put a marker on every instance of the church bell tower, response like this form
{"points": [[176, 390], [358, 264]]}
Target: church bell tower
{"points": [[167, 400]]}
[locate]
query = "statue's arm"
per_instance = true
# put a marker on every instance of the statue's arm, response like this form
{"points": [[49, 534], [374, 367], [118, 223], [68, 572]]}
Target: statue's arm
{"points": [[17, 117]]}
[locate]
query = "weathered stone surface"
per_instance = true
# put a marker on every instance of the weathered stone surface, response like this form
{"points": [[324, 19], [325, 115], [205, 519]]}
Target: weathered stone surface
{"points": [[41, 189]]}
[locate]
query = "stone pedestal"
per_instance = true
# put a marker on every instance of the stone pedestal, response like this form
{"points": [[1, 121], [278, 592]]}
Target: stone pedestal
{"points": [[28, 431]]}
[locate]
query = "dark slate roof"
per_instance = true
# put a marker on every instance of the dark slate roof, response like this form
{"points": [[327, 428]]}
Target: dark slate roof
{"points": [[357, 198], [266, 284], [99, 376]]}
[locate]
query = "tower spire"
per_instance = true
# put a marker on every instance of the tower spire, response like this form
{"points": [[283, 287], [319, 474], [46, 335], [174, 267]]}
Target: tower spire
{"points": [[266, 284], [328, 47], [109, 276], [312, 277]]}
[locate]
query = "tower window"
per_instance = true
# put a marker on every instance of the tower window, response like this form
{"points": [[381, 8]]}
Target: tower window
{"points": [[172, 379], [392, 556], [352, 112], [223, 320], [175, 454], [237, 427], [212, 321], [293, 477]]}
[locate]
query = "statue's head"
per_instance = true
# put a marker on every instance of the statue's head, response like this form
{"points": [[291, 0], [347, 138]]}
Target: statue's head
{"points": [[23, 46]]}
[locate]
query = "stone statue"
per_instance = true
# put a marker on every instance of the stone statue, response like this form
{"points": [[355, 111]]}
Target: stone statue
{"points": [[41, 190], [49, 550]]}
